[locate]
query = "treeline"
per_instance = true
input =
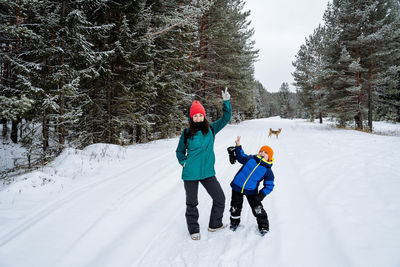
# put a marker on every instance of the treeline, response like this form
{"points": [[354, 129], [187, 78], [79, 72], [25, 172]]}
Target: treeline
{"points": [[74, 73], [349, 68], [283, 103]]}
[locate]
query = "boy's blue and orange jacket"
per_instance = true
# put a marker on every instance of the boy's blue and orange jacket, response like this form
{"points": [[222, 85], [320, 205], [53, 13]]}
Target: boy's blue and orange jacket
{"points": [[254, 170]]}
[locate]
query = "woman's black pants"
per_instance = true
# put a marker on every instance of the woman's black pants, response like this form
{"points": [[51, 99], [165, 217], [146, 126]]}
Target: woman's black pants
{"points": [[214, 189]]}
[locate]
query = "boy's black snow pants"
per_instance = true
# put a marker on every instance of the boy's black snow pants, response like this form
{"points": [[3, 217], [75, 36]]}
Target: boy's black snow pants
{"points": [[256, 207], [192, 214]]}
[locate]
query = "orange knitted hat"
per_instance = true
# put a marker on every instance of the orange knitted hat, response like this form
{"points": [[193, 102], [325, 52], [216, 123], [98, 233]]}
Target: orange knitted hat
{"points": [[268, 150]]}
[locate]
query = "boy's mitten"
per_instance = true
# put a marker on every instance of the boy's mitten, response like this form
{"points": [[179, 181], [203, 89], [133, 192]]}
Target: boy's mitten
{"points": [[232, 156]]}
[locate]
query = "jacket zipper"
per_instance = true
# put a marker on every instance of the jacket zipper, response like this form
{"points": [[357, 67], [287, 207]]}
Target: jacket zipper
{"points": [[249, 176]]}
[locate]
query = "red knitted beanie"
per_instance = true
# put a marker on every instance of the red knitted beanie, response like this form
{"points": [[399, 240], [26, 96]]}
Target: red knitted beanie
{"points": [[197, 108], [268, 150]]}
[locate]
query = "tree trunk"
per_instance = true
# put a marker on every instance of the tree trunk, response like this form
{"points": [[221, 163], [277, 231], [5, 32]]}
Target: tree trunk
{"points": [[190, 55], [201, 53], [320, 101], [109, 123], [131, 135], [358, 117], [61, 126], [45, 131], [358, 121], [5, 74], [14, 131], [45, 127], [5, 128], [21, 128], [370, 93], [138, 133]]}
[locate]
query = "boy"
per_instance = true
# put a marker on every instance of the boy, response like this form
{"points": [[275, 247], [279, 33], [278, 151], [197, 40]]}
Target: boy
{"points": [[255, 169]]}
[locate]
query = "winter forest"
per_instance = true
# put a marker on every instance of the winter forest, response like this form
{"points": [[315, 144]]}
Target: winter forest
{"points": [[349, 67], [75, 73]]}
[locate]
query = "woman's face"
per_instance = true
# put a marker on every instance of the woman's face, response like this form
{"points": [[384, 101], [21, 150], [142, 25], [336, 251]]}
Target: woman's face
{"points": [[198, 117]]}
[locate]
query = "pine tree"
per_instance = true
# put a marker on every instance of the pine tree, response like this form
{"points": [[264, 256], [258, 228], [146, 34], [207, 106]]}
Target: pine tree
{"points": [[286, 110], [309, 74], [375, 19], [226, 55], [44, 18], [175, 29], [79, 59], [119, 88], [16, 91], [367, 32], [260, 107], [343, 97], [317, 69], [301, 77], [347, 26], [266, 103], [381, 42]]}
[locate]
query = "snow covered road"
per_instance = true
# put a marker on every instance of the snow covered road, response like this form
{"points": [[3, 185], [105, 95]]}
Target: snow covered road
{"points": [[335, 203]]}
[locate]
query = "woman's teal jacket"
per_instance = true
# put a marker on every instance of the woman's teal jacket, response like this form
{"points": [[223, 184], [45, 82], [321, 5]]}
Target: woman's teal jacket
{"points": [[198, 159]]}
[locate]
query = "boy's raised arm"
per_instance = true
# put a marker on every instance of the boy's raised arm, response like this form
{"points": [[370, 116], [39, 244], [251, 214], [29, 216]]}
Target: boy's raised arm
{"points": [[240, 155]]}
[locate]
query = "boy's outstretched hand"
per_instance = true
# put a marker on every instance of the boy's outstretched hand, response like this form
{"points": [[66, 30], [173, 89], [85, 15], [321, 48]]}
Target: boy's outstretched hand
{"points": [[237, 141]]}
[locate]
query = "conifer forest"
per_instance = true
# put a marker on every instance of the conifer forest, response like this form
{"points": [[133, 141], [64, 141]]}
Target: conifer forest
{"points": [[78, 72], [349, 67]]}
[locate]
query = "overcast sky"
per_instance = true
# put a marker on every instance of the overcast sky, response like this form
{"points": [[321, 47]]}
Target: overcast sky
{"points": [[280, 28]]}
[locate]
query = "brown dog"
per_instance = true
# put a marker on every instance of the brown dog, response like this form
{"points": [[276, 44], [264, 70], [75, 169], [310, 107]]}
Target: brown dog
{"points": [[276, 133]]}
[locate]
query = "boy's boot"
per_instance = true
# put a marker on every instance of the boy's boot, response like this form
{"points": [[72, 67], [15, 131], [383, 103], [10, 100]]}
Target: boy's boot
{"points": [[263, 230], [235, 221], [233, 227], [235, 218]]}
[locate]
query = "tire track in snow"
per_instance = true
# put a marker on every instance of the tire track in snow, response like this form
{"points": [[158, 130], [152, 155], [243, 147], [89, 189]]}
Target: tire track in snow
{"points": [[113, 202], [130, 194], [55, 205], [309, 221], [161, 234], [122, 246]]}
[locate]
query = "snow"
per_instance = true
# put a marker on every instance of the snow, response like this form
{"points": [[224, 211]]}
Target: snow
{"points": [[335, 203], [10, 154]]}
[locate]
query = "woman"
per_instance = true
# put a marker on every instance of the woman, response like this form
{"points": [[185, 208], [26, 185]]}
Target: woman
{"points": [[195, 152]]}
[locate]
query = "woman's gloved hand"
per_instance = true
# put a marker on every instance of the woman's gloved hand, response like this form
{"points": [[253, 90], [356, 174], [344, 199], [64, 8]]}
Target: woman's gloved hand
{"points": [[226, 95]]}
